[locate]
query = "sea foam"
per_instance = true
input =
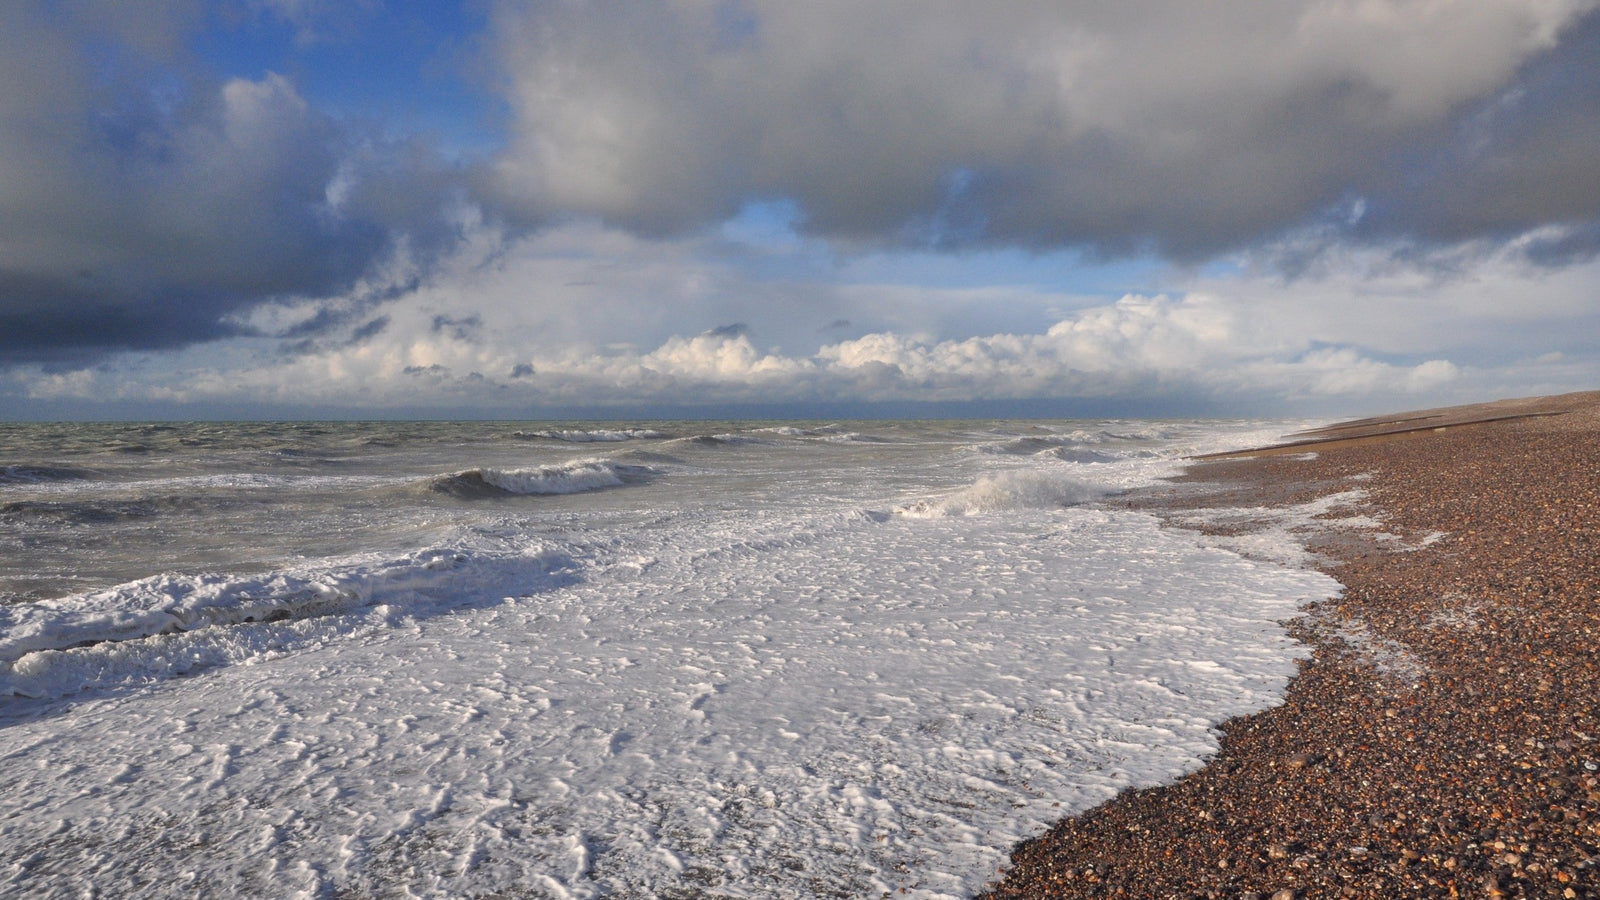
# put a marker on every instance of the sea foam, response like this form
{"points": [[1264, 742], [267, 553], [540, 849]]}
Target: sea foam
{"points": [[1006, 492], [592, 436], [61, 646], [719, 674]]}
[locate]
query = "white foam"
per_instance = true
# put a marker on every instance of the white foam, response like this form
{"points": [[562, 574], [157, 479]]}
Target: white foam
{"points": [[1008, 491], [1280, 534], [600, 435], [730, 680], [1387, 656], [58, 647], [789, 431], [722, 440], [780, 707]]}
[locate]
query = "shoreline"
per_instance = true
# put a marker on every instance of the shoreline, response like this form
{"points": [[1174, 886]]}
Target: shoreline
{"points": [[1443, 737]]}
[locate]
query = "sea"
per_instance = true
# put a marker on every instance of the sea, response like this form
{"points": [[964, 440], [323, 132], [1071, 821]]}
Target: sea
{"points": [[580, 659]]}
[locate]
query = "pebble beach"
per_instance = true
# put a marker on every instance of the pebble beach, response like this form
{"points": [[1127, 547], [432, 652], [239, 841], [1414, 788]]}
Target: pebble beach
{"points": [[1442, 739]]}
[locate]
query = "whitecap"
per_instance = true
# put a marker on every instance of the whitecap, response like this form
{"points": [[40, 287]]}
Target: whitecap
{"points": [[574, 477], [1008, 491], [590, 436]]}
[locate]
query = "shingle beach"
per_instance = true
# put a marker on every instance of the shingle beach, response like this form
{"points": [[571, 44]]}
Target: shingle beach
{"points": [[1443, 737]]}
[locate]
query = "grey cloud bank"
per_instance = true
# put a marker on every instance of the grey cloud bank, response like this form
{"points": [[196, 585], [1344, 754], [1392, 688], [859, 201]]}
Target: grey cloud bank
{"points": [[142, 202], [170, 235], [1188, 129]]}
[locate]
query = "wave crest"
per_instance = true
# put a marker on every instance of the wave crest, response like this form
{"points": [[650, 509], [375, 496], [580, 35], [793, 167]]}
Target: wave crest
{"points": [[592, 436], [1007, 491], [170, 625], [574, 477]]}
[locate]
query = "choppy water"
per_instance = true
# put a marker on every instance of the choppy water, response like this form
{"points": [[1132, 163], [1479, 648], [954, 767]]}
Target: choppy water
{"points": [[688, 659]]}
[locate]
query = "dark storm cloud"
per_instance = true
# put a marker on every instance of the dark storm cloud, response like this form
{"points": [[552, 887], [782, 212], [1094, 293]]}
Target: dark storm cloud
{"points": [[370, 330], [1523, 158], [142, 202], [1183, 129], [463, 328]]}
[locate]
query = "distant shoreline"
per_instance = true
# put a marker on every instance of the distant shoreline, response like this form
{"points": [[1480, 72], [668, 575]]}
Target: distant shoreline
{"points": [[1443, 739]]}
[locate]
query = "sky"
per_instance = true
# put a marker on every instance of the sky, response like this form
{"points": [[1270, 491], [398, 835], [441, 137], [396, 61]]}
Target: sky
{"points": [[586, 208]]}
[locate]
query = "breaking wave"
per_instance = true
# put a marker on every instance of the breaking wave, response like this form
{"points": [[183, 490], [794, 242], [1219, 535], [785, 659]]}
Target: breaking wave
{"points": [[855, 437], [170, 625], [1007, 491], [722, 440], [1029, 446], [575, 477], [587, 436]]}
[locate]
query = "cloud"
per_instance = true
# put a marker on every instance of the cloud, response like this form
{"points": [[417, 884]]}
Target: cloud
{"points": [[1517, 160], [1187, 129], [518, 327], [144, 204], [717, 202], [1135, 350]]}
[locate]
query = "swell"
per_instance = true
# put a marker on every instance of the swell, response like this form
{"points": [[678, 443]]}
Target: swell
{"points": [[43, 474], [93, 512], [575, 477]]}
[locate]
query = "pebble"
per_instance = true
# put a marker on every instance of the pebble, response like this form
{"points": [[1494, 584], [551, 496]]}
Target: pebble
{"points": [[1491, 739]]}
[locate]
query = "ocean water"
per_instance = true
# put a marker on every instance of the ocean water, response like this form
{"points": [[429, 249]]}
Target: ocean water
{"points": [[660, 659]]}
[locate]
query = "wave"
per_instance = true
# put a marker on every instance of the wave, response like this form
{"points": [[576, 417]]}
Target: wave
{"points": [[149, 498], [575, 477], [1007, 491], [790, 431], [1084, 455], [855, 437], [832, 434], [1081, 455], [600, 435], [1069, 448], [1029, 446], [94, 512], [42, 474], [649, 456], [1082, 445], [171, 625], [723, 440]]}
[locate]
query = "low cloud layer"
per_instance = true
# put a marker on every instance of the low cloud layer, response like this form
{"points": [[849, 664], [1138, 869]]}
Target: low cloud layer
{"points": [[513, 331]]}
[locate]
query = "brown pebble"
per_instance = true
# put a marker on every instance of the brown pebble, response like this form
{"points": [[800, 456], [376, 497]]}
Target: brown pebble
{"points": [[1491, 737]]}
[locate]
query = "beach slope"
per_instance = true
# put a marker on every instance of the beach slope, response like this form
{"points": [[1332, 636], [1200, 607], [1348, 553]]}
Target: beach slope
{"points": [[1443, 739]]}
